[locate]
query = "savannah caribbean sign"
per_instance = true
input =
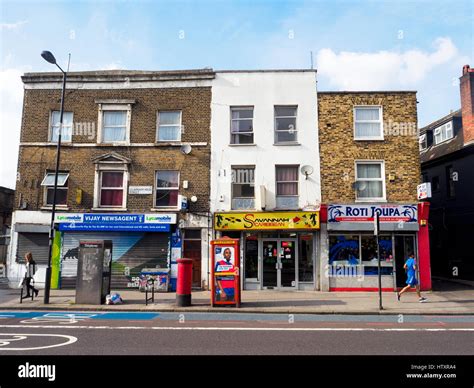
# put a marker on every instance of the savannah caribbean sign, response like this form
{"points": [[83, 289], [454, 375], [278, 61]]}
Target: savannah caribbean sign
{"points": [[266, 221]]}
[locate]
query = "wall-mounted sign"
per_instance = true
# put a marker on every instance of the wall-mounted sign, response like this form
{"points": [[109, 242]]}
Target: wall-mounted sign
{"points": [[424, 190], [140, 190], [365, 213], [115, 222], [266, 221]]}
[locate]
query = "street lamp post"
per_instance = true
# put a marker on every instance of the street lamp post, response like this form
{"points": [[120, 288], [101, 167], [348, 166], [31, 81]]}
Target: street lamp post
{"points": [[49, 57]]}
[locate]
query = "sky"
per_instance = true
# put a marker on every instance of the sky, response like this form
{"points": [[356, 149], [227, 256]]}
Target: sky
{"points": [[355, 45]]}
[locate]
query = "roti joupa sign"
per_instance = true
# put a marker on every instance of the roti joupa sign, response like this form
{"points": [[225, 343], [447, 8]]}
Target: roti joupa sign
{"points": [[266, 221], [366, 213]]}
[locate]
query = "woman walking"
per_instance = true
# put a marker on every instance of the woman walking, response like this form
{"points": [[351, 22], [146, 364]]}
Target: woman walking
{"points": [[30, 272]]}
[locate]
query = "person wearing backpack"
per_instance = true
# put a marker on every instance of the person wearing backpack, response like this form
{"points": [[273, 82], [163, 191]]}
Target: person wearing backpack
{"points": [[410, 268], [30, 272]]}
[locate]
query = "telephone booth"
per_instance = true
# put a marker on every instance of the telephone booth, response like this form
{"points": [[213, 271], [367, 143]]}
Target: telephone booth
{"points": [[225, 272]]}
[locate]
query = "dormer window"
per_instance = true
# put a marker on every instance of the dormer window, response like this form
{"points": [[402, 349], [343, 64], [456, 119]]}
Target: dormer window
{"points": [[443, 133], [423, 142]]}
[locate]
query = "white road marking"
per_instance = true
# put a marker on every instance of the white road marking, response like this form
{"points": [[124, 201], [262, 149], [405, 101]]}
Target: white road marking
{"points": [[62, 318], [23, 336], [204, 328]]}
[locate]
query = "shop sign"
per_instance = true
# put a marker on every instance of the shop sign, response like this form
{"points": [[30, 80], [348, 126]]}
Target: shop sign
{"points": [[366, 213], [266, 221], [424, 190], [115, 222]]}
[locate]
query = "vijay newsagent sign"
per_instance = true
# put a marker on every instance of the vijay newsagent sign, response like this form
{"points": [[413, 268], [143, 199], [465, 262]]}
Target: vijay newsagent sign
{"points": [[366, 213], [115, 222], [266, 220]]}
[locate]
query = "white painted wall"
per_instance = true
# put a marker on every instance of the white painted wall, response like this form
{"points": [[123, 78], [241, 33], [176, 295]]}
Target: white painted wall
{"points": [[15, 271], [264, 90]]}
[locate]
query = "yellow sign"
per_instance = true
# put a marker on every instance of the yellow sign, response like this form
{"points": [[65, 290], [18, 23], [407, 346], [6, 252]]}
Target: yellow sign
{"points": [[266, 221]]}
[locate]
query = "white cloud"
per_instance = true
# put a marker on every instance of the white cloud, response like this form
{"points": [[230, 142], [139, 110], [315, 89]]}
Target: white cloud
{"points": [[383, 69], [11, 97], [12, 26]]}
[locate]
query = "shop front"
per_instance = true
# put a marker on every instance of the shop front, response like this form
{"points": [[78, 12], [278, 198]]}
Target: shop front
{"points": [[352, 262], [278, 249], [139, 241]]}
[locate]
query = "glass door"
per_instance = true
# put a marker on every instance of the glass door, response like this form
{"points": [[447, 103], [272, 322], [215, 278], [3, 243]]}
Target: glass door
{"points": [[270, 263], [287, 263], [279, 257], [404, 246]]}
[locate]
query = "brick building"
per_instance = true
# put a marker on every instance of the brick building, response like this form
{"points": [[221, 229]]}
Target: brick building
{"points": [[369, 163], [447, 158], [134, 168]]}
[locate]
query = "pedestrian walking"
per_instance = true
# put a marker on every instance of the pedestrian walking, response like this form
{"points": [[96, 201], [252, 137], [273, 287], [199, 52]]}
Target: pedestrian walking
{"points": [[30, 265], [412, 282]]}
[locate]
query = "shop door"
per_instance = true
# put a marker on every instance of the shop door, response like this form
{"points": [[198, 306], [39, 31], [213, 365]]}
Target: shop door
{"points": [[404, 245], [279, 263], [192, 250], [270, 263]]}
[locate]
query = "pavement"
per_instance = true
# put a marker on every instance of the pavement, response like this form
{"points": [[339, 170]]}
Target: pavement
{"points": [[448, 298]]}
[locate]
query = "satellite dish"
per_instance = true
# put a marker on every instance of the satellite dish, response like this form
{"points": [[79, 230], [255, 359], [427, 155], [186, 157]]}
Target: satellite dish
{"points": [[361, 186], [306, 170], [186, 149]]}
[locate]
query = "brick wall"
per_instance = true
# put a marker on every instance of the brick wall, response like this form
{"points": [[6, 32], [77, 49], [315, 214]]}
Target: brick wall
{"points": [[339, 150], [35, 160]]}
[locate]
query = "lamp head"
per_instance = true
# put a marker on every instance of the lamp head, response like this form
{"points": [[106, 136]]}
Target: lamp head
{"points": [[48, 57]]}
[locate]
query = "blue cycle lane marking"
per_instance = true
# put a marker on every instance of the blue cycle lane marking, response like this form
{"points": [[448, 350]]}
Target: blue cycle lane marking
{"points": [[129, 316]]}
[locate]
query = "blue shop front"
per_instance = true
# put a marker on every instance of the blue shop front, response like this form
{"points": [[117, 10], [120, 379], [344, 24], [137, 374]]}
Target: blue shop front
{"points": [[139, 241]]}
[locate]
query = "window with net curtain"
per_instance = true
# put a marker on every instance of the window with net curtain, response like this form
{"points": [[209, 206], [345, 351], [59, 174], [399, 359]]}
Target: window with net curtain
{"points": [[241, 125], [66, 133], [287, 187], [368, 122], [169, 126], [114, 126], [167, 188], [111, 189], [369, 180]]}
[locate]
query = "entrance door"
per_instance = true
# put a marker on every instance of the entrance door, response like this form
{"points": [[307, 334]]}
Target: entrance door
{"points": [[404, 245], [192, 250], [279, 263], [270, 263]]}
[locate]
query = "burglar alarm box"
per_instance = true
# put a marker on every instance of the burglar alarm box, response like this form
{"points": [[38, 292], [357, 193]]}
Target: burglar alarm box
{"points": [[225, 272], [93, 271]]}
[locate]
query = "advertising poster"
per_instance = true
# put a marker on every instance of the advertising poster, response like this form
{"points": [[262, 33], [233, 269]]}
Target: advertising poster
{"points": [[224, 273]]}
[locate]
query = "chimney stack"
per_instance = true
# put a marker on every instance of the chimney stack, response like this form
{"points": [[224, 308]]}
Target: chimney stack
{"points": [[467, 100]]}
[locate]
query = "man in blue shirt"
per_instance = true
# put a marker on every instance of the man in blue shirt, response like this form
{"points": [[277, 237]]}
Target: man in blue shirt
{"points": [[410, 268]]}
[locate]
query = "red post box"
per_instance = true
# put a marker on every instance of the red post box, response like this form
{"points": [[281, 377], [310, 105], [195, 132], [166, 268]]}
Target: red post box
{"points": [[225, 272], [184, 282]]}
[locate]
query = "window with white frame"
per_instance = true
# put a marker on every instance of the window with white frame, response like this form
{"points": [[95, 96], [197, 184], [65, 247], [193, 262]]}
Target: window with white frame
{"points": [[114, 123], [66, 133], [243, 188], [423, 142], [61, 192], [241, 126], [443, 133], [169, 126], [285, 124], [112, 189], [287, 187], [370, 181], [167, 189], [368, 124]]}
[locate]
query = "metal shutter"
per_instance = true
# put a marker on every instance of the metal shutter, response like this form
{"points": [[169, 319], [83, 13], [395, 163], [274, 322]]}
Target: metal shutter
{"points": [[133, 250], [36, 243]]}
